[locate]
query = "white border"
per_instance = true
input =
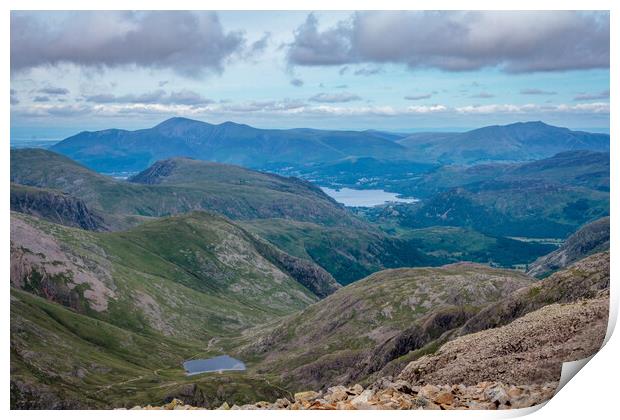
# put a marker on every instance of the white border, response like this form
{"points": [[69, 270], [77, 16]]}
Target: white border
{"points": [[593, 394]]}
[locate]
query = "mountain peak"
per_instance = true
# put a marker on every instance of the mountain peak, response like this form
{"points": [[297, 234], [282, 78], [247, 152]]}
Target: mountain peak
{"points": [[179, 121]]}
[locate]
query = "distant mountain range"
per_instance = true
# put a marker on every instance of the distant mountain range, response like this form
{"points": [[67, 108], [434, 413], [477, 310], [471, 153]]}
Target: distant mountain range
{"points": [[513, 142], [116, 150]]}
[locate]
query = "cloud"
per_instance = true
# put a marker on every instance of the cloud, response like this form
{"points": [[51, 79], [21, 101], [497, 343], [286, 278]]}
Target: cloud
{"points": [[514, 41], [594, 108], [54, 91], [190, 43], [534, 91], [591, 96], [418, 97], [334, 97], [259, 46], [182, 97], [297, 82], [41, 99], [285, 107], [368, 71], [483, 95], [311, 47]]}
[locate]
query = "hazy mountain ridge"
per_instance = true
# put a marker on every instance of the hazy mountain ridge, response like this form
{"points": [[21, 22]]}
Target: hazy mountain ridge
{"points": [[121, 150], [512, 142]]}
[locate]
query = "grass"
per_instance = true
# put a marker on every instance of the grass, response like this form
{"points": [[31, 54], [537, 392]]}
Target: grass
{"points": [[110, 366]]}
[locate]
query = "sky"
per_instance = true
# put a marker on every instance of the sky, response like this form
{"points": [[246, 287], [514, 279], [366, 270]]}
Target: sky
{"points": [[398, 71]]}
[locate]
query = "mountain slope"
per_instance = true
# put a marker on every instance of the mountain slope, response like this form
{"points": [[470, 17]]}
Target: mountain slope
{"points": [[329, 342], [513, 142], [583, 280], [195, 275], [534, 347], [590, 239], [55, 206], [121, 150], [190, 185], [348, 253], [61, 359]]}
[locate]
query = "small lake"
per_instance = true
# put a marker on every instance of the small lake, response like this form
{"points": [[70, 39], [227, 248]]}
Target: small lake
{"points": [[214, 364], [365, 198]]}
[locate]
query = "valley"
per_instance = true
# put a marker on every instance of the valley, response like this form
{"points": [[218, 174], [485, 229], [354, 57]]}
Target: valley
{"points": [[347, 261]]}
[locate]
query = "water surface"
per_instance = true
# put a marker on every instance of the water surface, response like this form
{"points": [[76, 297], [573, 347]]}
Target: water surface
{"points": [[365, 198], [214, 364]]}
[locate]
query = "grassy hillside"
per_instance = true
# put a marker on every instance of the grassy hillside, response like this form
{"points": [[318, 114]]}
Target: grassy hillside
{"points": [[584, 279], [349, 254], [191, 185], [329, 342], [196, 275], [62, 359], [453, 244]]}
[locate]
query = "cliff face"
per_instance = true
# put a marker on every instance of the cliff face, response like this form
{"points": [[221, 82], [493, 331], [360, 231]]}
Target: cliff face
{"points": [[56, 207], [591, 238]]}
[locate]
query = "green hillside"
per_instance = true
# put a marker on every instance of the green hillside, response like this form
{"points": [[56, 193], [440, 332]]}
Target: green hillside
{"points": [[196, 275], [191, 185], [64, 360], [329, 342]]}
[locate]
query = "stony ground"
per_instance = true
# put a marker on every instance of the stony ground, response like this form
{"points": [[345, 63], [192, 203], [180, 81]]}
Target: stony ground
{"points": [[388, 395]]}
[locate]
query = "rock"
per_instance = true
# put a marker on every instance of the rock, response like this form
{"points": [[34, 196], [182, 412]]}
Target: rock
{"points": [[172, 404], [282, 403], [224, 406], [429, 391], [356, 389], [361, 401], [336, 393], [497, 394], [444, 398], [306, 396]]}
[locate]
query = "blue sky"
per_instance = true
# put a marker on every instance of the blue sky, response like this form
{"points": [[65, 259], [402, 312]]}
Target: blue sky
{"points": [[402, 71]]}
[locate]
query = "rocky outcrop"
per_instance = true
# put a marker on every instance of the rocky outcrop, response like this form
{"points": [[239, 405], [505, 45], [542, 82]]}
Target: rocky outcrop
{"points": [[399, 395], [309, 274], [155, 173], [530, 350], [362, 326], [430, 328], [42, 265], [56, 207], [592, 238], [582, 280]]}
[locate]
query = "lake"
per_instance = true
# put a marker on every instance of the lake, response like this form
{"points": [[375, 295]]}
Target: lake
{"points": [[214, 364], [365, 198]]}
